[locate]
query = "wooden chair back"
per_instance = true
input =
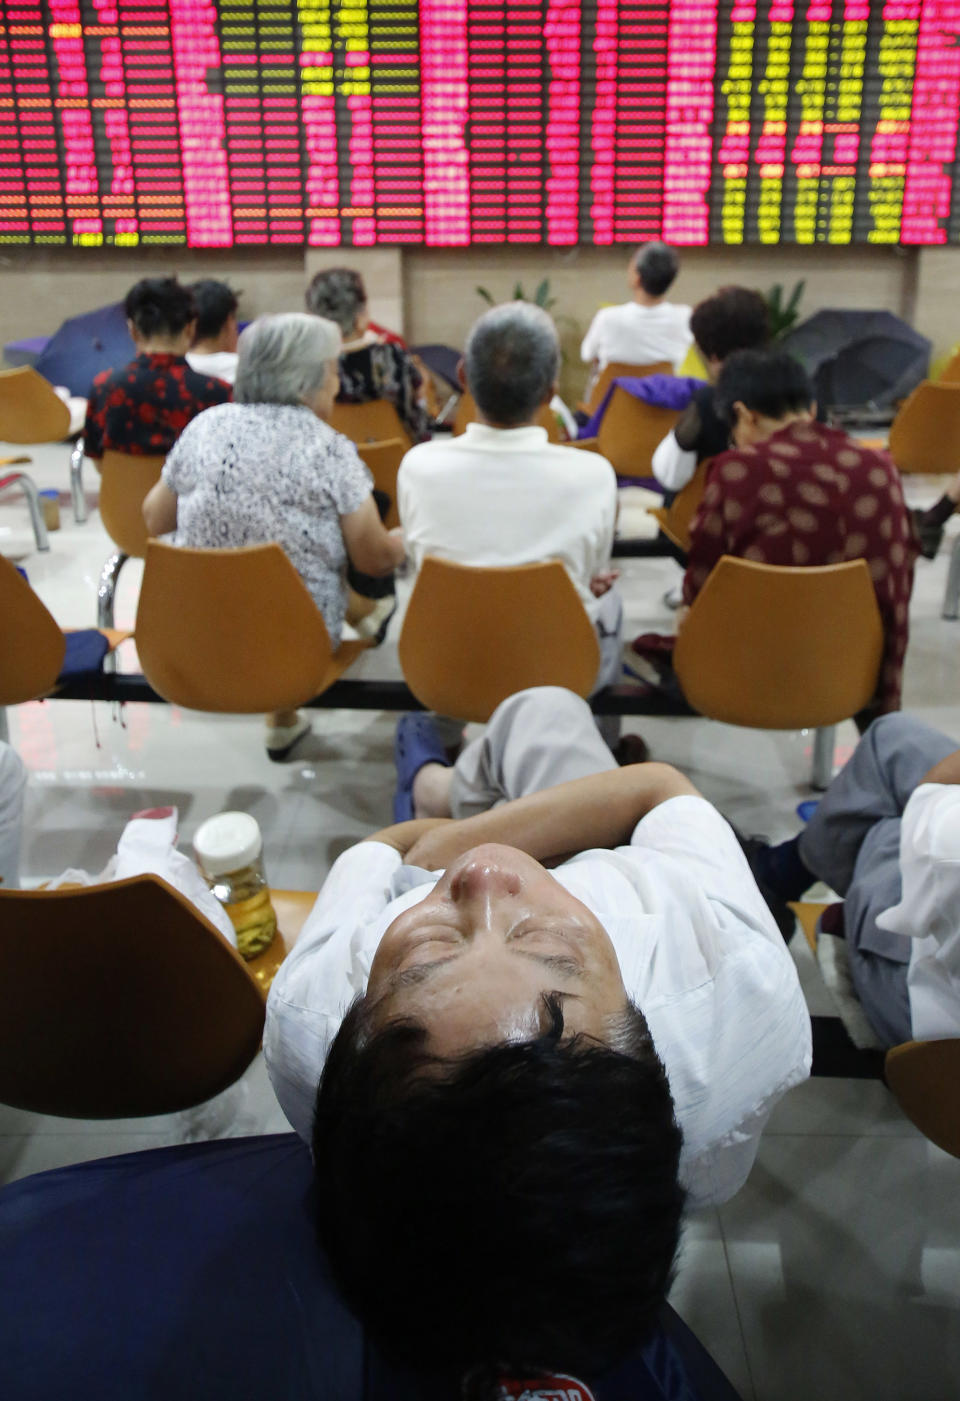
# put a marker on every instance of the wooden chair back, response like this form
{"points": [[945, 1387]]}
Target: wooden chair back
{"points": [[119, 1000], [614, 370], [32, 645], [924, 1077], [473, 636], [384, 460], [30, 412], [676, 519], [778, 648], [467, 413], [233, 631], [376, 421], [125, 480], [630, 432], [925, 435]]}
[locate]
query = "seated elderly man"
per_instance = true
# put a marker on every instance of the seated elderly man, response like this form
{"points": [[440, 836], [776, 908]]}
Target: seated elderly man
{"points": [[502, 494], [886, 836], [648, 328], [523, 1071]]}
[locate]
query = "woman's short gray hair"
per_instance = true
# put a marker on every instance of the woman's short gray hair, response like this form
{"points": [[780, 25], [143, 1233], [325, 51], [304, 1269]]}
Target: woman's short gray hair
{"points": [[284, 358], [511, 362], [338, 294]]}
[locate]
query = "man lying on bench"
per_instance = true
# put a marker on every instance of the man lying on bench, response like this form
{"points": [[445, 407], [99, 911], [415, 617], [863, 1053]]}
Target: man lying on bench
{"points": [[524, 1073]]}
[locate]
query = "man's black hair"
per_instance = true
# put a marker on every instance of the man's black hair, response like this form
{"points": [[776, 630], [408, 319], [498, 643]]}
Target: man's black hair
{"points": [[215, 303], [159, 306], [518, 1205], [769, 383], [656, 266], [734, 318]]}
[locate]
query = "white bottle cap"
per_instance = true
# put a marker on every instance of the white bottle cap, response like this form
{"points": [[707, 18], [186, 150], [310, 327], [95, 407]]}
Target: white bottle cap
{"points": [[227, 842]]}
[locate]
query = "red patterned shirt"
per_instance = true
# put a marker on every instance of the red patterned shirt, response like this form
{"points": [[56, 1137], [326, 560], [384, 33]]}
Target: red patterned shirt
{"points": [[812, 495], [144, 407]]}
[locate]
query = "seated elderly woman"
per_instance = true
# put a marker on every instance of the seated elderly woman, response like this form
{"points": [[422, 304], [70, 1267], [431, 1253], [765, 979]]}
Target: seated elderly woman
{"points": [[143, 407], [267, 467], [370, 367], [794, 492]]}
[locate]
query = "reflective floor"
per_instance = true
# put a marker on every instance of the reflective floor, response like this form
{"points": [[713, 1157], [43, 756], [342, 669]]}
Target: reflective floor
{"points": [[835, 1273]]}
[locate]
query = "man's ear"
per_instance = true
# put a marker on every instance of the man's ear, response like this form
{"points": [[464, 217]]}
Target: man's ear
{"points": [[462, 373]]}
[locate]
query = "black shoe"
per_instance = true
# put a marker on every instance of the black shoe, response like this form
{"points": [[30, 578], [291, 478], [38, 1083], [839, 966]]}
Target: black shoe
{"points": [[631, 749], [754, 849], [929, 533]]}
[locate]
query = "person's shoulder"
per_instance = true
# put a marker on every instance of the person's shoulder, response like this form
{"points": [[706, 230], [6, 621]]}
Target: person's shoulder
{"points": [[426, 458], [580, 461], [737, 464]]}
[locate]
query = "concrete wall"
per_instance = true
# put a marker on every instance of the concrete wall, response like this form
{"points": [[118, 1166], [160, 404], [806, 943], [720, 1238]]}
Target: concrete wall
{"points": [[430, 294]]}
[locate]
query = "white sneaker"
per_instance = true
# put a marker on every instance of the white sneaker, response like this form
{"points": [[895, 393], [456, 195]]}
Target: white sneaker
{"points": [[281, 739]]}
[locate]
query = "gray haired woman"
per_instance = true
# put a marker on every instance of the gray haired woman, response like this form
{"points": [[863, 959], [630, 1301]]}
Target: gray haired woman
{"points": [[269, 468], [371, 367]]}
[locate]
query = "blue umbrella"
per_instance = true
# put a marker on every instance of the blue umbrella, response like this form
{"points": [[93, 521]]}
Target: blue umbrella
{"points": [[85, 345]]}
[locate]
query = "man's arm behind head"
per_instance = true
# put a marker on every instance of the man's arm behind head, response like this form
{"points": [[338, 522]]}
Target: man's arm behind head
{"points": [[519, 1205]]}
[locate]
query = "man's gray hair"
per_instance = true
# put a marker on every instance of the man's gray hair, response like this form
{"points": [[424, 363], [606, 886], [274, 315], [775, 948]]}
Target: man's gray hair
{"points": [[339, 295], [511, 361], [656, 265], [284, 358]]}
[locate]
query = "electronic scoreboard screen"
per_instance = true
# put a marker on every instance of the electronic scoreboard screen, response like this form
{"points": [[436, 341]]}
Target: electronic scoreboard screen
{"points": [[448, 122]]}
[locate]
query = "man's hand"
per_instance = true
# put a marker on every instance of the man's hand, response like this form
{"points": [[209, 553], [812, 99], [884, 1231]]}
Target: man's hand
{"points": [[603, 581]]}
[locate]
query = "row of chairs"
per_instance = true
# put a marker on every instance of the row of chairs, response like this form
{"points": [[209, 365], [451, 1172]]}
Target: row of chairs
{"points": [[814, 668]]}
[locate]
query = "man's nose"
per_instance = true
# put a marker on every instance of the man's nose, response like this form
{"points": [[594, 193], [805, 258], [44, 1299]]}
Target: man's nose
{"points": [[483, 879]]}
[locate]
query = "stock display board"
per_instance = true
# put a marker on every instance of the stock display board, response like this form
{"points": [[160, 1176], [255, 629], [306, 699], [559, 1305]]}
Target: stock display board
{"points": [[449, 123]]}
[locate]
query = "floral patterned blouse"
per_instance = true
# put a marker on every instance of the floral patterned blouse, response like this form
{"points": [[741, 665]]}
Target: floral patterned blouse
{"points": [[144, 407], [812, 495], [247, 474]]}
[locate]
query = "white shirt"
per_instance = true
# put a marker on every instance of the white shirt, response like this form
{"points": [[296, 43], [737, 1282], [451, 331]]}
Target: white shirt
{"points": [[506, 496], [672, 465], [928, 908], [222, 364], [639, 335], [698, 951]]}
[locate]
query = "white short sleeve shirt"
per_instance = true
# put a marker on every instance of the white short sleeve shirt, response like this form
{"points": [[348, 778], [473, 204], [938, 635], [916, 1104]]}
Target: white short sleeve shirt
{"points": [[698, 951], [639, 335], [507, 496]]}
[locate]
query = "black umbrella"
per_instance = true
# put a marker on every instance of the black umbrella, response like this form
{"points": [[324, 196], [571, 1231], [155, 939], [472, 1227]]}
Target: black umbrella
{"points": [[854, 358], [85, 345]]}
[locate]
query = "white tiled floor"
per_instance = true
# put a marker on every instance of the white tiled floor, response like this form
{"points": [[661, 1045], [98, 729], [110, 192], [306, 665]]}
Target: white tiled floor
{"points": [[835, 1272]]}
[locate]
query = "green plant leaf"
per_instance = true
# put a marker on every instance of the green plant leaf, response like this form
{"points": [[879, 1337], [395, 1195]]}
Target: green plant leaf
{"points": [[482, 292]]}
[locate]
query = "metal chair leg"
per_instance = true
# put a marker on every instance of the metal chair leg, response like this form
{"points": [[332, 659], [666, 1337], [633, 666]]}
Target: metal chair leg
{"points": [[951, 596], [76, 483], [824, 743], [106, 596], [33, 505]]}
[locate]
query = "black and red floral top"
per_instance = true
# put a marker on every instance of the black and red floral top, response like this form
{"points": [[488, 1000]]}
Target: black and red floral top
{"points": [[144, 407]]}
